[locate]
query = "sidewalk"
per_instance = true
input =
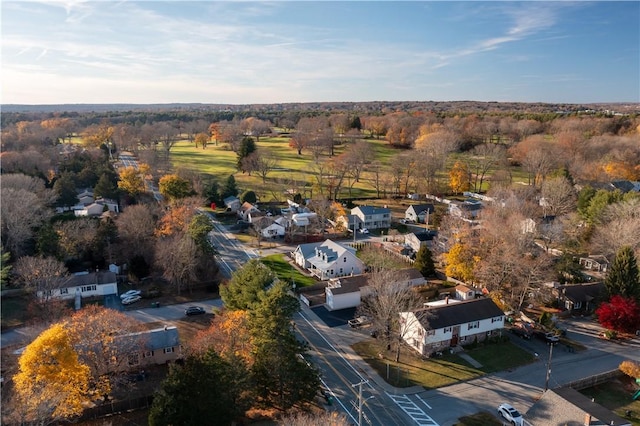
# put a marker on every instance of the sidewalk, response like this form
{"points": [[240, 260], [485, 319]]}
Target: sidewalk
{"points": [[343, 338]]}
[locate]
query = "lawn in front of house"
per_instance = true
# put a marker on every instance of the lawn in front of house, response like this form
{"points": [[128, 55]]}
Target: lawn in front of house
{"points": [[437, 372], [284, 271], [616, 395]]}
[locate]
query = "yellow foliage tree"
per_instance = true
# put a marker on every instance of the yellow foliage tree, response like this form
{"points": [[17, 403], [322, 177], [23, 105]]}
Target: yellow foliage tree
{"points": [[228, 335], [51, 382], [460, 262], [131, 181], [459, 177], [630, 368]]}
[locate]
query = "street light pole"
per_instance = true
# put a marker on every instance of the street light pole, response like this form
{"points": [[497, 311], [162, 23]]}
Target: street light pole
{"points": [[546, 382], [360, 400]]}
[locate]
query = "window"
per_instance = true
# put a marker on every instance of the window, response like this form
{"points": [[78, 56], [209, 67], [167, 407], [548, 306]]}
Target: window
{"points": [[345, 260], [448, 329], [64, 291], [88, 288], [168, 350], [340, 271], [331, 272], [472, 325], [134, 359], [147, 354], [431, 332], [496, 319]]}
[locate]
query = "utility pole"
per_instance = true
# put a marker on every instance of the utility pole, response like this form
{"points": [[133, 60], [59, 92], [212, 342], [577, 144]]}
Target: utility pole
{"points": [[360, 400], [546, 382]]}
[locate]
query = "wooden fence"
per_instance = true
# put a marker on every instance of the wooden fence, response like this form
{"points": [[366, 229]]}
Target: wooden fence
{"points": [[591, 381]]}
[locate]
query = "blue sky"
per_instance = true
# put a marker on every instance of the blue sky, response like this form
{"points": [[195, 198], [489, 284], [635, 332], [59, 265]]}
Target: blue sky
{"points": [[265, 52]]}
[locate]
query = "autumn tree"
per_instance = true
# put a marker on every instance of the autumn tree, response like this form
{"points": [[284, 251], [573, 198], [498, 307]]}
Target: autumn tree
{"points": [[52, 383], [131, 181], [325, 418], [246, 285], [460, 262], [173, 187], [97, 135], [40, 276], [620, 314], [623, 278], [459, 177], [201, 139], [630, 368], [228, 335], [104, 341], [387, 295], [202, 387]]}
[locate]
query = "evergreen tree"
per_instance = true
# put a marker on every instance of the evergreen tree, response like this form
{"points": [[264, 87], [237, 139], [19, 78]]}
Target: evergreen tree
{"points": [[201, 391], [65, 188], [47, 242], [246, 286], [105, 188], [282, 376], [247, 146], [5, 268], [212, 192], [230, 187], [199, 229], [424, 262], [623, 279], [356, 123], [249, 197]]}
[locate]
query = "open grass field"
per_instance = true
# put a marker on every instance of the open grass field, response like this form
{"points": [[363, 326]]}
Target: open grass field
{"points": [[437, 372]]}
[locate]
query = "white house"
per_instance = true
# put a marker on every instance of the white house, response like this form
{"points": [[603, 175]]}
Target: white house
{"points": [[346, 292], [465, 293], [268, 227], [372, 217], [465, 210], [158, 346], [232, 203], [328, 259], [419, 212], [85, 284], [245, 209], [432, 329], [415, 240], [98, 207]]}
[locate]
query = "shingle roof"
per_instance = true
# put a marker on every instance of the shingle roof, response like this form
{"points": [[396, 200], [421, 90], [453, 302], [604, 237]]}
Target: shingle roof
{"points": [[567, 406], [419, 208], [460, 313], [425, 236], [102, 277], [582, 292], [371, 210], [349, 284]]}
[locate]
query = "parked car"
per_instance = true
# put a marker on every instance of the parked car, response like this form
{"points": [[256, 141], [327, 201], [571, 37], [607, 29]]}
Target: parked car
{"points": [[130, 293], [131, 299], [546, 336], [363, 231], [510, 414], [359, 321], [194, 310]]}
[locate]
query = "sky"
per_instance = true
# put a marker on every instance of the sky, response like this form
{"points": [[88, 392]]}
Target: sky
{"points": [[74, 51]]}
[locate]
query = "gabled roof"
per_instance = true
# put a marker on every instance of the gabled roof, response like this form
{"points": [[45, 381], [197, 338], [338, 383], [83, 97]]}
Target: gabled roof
{"points": [[410, 273], [424, 235], [567, 406], [101, 277], [419, 208], [371, 210], [163, 338], [230, 199], [585, 292], [459, 313], [246, 206]]}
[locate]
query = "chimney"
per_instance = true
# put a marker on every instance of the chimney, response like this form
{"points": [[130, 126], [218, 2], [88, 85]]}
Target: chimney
{"points": [[587, 419]]}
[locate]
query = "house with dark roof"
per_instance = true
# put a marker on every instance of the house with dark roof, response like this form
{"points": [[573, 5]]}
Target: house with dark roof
{"points": [[415, 240], [157, 346], [347, 292], [328, 259], [579, 297], [432, 329], [372, 217], [566, 406], [468, 210], [418, 212], [84, 284]]}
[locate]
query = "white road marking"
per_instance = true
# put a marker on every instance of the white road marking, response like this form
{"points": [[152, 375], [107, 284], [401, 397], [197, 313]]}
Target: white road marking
{"points": [[408, 406]]}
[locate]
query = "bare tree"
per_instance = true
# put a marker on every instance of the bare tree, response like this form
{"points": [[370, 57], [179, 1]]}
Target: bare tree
{"points": [[558, 196], [76, 237], [41, 276], [487, 156], [136, 226], [263, 162], [385, 297], [21, 212], [177, 257], [620, 227], [168, 136], [326, 418]]}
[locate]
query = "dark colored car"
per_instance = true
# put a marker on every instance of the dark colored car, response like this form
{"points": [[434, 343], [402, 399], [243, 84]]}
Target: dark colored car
{"points": [[193, 310], [521, 332], [547, 337]]}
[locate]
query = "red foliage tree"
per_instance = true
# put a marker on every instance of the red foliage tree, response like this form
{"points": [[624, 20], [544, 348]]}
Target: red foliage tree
{"points": [[620, 314]]}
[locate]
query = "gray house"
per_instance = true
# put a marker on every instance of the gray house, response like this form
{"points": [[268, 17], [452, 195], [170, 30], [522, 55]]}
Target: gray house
{"points": [[419, 212]]}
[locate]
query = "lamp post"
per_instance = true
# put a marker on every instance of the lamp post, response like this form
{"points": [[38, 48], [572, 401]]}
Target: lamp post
{"points": [[360, 401]]}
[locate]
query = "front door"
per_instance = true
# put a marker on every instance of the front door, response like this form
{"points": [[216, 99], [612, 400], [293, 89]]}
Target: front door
{"points": [[454, 336]]}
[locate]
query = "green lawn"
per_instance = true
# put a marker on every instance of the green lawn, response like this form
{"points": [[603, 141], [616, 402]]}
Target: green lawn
{"points": [[438, 372], [616, 396], [279, 265]]}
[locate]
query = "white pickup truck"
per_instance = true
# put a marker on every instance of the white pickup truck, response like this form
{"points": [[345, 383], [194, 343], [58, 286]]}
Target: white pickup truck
{"points": [[358, 321]]}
